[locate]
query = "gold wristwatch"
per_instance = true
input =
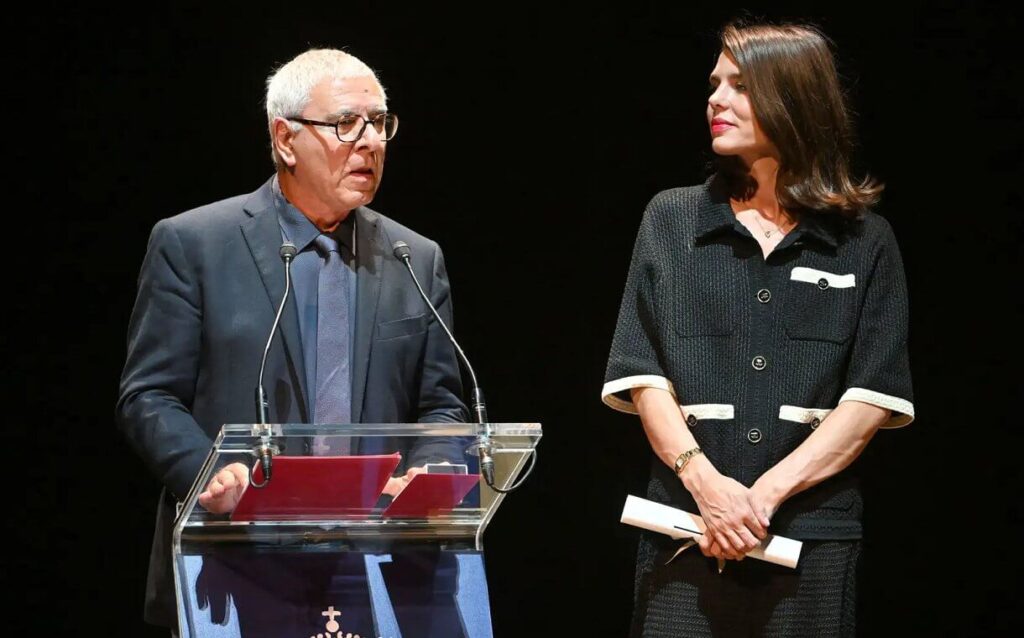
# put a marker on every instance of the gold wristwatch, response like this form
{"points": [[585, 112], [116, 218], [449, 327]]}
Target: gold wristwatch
{"points": [[685, 457]]}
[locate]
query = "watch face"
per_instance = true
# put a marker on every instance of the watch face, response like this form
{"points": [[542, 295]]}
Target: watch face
{"points": [[684, 457], [681, 461]]}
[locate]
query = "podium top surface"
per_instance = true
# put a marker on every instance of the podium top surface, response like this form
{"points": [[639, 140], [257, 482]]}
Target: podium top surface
{"points": [[329, 482], [243, 430]]}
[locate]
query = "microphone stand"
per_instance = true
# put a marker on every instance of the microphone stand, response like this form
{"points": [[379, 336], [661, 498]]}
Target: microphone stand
{"points": [[483, 444], [265, 450]]}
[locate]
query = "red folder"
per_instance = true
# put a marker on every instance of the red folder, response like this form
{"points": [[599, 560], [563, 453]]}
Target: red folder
{"points": [[431, 494], [317, 487]]}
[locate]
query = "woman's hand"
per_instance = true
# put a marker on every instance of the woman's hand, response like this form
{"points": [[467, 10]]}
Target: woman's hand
{"points": [[765, 497], [734, 525]]}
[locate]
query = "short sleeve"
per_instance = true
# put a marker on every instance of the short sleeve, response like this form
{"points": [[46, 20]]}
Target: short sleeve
{"points": [[634, 361], [879, 368]]}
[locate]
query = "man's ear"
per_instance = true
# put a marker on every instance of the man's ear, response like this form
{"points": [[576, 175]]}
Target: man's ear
{"points": [[283, 137]]}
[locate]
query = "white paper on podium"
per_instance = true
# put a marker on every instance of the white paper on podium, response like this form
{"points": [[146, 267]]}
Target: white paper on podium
{"points": [[673, 522]]}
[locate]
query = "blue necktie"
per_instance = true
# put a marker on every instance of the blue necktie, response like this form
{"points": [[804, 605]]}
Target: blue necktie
{"points": [[333, 377]]}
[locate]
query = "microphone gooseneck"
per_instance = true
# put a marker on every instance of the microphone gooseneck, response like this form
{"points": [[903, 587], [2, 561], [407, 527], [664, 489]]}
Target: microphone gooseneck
{"points": [[478, 405], [265, 450], [402, 252]]}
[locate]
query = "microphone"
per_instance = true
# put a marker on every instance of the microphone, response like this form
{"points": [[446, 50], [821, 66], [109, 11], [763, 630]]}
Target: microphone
{"points": [[403, 254], [265, 450], [484, 447]]}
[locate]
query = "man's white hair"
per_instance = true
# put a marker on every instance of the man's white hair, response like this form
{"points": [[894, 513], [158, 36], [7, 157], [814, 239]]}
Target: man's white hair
{"points": [[289, 87]]}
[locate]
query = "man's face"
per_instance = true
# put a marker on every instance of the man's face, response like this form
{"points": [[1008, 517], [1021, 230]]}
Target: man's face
{"points": [[340, 175]]}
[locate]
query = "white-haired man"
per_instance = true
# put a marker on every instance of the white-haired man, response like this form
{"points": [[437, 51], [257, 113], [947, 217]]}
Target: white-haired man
{"points": [[357, 343]]}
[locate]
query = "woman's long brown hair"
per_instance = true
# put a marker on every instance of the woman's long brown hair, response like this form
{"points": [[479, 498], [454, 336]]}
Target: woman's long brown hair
{"points": [[797, 99]]}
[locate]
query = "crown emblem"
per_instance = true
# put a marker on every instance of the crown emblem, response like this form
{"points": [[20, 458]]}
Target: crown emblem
{"points": [[332, 626]]}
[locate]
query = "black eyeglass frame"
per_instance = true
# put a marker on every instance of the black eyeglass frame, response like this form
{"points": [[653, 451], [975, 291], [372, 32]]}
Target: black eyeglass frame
{"points": [[382, 117]]}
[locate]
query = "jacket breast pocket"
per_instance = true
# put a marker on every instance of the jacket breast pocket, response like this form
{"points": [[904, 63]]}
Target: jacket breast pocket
{"points": [[820, 305], [402, 327]]}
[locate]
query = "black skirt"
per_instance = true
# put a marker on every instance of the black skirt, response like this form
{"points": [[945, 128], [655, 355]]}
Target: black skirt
{"points": [[689, 598]]}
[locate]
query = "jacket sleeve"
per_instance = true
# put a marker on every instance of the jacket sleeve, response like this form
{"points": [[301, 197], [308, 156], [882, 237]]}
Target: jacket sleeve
{"points": [[634, 361], [160, 373], [441, 381], [879, 369]]}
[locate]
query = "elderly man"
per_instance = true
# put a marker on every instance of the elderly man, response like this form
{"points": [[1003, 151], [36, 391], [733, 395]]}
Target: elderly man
{"points": [[357, 342]]}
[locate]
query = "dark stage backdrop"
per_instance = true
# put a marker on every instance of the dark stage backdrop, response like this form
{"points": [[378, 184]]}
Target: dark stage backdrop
{"points": [[531, 141]]}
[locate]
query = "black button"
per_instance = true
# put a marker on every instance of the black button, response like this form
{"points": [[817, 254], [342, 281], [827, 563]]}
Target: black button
{"points": [[759, 363], [823, 283], [764, 295], [815, 422], [754, 436], [691, 420]]}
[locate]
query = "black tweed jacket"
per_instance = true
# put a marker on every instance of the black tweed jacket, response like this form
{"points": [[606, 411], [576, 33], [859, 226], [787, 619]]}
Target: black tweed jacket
{"points": [[758, 351]]}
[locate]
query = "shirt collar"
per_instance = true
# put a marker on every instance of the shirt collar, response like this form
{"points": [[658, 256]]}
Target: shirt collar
{"points": [[713, 218], [300, 231], [820, 226], [716, 215]]}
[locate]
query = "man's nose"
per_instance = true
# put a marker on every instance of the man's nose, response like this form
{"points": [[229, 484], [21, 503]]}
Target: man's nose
{"points": [[370, 138]]}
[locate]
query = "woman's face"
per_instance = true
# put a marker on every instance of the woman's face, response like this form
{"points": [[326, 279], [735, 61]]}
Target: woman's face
{"points": [[734, 128]]}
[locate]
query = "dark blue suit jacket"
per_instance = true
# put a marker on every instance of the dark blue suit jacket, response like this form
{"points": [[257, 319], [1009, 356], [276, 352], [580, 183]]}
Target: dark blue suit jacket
{"points": [[208, 290]]}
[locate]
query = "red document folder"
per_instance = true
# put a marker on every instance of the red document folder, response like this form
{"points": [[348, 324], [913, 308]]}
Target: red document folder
{"points": [[317, 487], [431, 494]]}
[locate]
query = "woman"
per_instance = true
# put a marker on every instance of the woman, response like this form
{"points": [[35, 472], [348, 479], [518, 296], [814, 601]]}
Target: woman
{"points": [[762, 341]]}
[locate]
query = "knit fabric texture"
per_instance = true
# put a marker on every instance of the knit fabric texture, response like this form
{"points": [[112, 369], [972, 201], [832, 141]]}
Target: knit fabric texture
{"points": [[689, 598], [759, 350]]}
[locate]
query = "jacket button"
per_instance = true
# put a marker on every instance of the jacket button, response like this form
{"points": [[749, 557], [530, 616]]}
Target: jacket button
{"points": [[815, 422], [754, 436], [759, 363], [691, 420], [764, 295], [823, 283]]}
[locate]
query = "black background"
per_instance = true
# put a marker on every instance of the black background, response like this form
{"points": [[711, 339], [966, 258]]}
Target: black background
{"points": [[531, 140]]}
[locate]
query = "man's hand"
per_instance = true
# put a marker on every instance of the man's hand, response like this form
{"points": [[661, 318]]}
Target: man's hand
{"points": [[395, 484], [734, 525], [225, 488]]}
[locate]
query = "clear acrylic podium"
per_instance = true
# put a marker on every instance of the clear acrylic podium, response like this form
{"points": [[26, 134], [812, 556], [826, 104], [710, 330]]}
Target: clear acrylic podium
{"points": [[309, 556]]}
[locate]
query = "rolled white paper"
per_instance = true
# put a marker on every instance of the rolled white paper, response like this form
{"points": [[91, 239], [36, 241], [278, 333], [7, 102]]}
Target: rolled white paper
{"points": [[663, 519]]}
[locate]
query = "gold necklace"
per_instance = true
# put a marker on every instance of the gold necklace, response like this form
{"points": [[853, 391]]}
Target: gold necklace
{"points": [[767, 233]]}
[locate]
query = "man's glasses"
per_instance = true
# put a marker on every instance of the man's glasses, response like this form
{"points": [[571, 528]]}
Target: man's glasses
{"points": [[350, 128]]}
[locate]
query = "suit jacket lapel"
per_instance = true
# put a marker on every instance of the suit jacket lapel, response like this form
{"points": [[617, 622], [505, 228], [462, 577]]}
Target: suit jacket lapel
{"points": [[369, 260], [262, 232]]}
